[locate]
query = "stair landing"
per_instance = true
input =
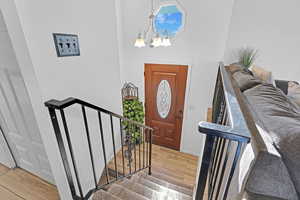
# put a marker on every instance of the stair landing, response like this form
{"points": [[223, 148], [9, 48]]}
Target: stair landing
{"points": [[170, 165], [173, 177]]}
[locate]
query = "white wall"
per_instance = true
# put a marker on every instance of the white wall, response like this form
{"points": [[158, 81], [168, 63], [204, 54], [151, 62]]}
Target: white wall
{"points": [[272, 28], [94, 76], [201, 46]]}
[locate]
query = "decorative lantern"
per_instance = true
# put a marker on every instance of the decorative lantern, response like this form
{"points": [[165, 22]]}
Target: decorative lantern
{"points": [[130, 91]]}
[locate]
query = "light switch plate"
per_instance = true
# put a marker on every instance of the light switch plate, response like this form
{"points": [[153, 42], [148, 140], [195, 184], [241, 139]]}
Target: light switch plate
{"points": [[66, 44]]}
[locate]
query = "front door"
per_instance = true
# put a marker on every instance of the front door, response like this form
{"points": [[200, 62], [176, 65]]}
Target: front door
{"points": [[164, 98]]}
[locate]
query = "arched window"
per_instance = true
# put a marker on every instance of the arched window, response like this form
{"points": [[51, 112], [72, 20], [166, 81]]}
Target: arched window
{"points": [[169, 19]]}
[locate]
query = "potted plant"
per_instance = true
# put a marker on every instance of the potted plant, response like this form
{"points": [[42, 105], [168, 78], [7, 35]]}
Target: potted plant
{"points": [[133, 109], [247, 57]]}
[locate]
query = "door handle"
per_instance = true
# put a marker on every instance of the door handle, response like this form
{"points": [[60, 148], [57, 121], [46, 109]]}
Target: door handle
{"points": [[180, 114]]}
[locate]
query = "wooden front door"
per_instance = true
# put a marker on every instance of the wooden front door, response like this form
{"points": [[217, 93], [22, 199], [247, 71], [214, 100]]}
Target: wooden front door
{"points": [[164, 97]]}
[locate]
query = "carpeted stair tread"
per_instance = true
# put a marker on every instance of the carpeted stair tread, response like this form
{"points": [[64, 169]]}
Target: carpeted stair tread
{"points": [[103, 195], [124, 193], [166, 184], [142, 190], [160, 189]]}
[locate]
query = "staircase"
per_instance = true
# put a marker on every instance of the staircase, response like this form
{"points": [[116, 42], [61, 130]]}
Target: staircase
{"points": [[130, 174], [135, 176], [142, 186]]}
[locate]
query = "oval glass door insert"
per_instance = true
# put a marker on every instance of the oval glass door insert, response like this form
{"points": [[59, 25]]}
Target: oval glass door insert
{"points": [[163, 99]]}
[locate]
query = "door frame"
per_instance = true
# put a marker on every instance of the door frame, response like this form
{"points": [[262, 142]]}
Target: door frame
{"points": [[186, 99]]}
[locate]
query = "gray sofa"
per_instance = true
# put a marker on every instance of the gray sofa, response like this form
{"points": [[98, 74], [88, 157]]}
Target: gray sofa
{"points": [[274, 171]]}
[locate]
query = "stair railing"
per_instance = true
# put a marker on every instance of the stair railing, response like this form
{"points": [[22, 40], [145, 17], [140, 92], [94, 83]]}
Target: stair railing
{"points": [[141, 152], [225, 138]]}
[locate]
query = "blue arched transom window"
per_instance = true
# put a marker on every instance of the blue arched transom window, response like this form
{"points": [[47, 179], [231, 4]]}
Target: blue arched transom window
{"points": [[169, 20]]}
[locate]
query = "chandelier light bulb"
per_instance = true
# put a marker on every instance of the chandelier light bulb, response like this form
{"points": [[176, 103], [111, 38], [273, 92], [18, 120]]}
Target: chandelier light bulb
{"points": [[156, 41], [139, 42], [166, 42]]}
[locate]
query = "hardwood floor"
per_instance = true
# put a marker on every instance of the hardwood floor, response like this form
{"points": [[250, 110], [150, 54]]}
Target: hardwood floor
{"points": [[17, 184], [3, 169], [174, 166], [209, 115], [178, 167]]}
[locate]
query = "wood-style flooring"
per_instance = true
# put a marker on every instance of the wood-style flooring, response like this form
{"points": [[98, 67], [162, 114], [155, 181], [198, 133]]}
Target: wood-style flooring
{"points": [[176, 167], [17, 184]]}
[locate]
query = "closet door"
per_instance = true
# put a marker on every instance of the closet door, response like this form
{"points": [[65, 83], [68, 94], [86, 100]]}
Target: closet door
{"points": [[20, 127], [6, 157]]}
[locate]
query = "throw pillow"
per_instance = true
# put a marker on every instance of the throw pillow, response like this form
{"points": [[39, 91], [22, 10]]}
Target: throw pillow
{"points": [[283, 85], [294, 92], [262, 74]]}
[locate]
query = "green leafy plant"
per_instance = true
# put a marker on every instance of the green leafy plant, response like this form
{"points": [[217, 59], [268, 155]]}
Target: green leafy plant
{"points": [[133, 109], [247, 56]]}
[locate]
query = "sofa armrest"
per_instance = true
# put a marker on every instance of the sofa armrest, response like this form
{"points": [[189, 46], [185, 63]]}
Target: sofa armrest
{"points": [[269, 179], [252, 196]]}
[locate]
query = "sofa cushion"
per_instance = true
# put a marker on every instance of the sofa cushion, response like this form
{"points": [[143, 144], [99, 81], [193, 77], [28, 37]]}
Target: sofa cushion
{"points": [[281, 118]]}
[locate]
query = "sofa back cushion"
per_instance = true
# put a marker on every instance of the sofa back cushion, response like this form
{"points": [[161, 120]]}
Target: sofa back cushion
{"points": [[281, 118], [244, 78]]}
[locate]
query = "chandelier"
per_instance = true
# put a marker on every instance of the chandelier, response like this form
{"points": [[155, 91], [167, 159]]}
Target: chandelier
{"points": [[154, 37]]}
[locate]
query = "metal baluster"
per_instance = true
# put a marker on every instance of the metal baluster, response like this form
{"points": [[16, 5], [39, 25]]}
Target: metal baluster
{"points": [[213, 179], [235, 161], [89, 144], [141, 133], [134, 147], [71, 150], [129, 149], [216, 149], [223, 168], [147, 146], [216, 174], [122, 143], [63, 154], [114, 146], [103, 146], [150, 154], [144, 140], [223, 120], [204, 167]]}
